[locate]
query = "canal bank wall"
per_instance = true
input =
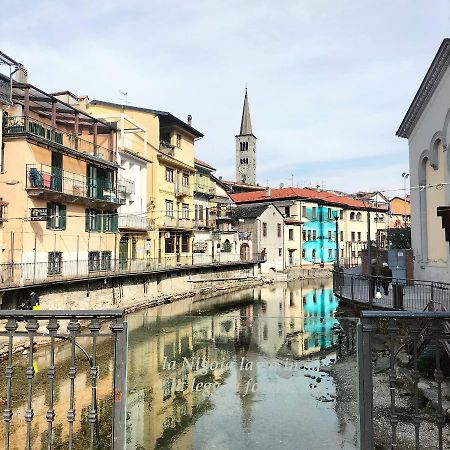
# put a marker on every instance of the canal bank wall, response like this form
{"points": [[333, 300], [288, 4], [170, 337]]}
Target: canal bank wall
{"points": [[138, 291]]}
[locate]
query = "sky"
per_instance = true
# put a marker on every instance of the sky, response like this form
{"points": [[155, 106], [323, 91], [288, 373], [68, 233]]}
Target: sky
{"points": [[329, 81]]}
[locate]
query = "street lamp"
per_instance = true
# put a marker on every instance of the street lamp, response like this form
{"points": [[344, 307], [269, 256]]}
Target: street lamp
{"points": [[405, 176], [336, 218]]}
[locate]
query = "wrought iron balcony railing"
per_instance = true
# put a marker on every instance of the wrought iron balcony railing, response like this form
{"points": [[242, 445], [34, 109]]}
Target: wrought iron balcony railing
{"points": [[43, 178], [167, 148], [24, 125], [133, 221], [181, 190]]}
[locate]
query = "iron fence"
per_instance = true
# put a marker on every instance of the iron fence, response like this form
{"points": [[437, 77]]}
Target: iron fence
{"points": [[415, 344], [22, 274], [76, 327], [397, 293]]}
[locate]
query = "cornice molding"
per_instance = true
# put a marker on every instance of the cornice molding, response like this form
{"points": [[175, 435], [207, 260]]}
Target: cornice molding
{"points": [[427, 88]]}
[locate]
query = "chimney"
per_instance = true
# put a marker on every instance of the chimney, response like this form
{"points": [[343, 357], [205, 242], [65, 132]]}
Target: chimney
{"points": [[189, 120], [268, 192], [21, 76]]}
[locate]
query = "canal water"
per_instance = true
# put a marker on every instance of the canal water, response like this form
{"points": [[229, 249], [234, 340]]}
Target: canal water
{"points": [[247, 370], [238, 371]]}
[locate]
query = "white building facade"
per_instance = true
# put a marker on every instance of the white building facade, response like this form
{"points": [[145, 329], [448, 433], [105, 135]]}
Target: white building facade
{"points": [[426, 125]]}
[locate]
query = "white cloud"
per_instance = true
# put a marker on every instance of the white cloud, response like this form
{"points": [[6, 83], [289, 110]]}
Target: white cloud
{"points": [[327, 80]]}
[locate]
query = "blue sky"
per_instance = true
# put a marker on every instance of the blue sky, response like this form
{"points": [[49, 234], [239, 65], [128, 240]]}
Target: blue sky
{"points": [[329, 80]]}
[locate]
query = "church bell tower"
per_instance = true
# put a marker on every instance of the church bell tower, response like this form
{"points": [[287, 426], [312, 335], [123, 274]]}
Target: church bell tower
{"points": [[246, 148]]}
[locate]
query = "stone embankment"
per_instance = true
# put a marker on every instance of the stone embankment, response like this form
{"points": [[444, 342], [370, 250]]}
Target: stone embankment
{"points": [[345, 374], [303, 273]]}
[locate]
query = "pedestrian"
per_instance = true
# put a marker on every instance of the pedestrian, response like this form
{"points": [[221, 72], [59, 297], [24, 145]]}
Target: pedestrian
{"points": [[386, 274], [34, 301]]}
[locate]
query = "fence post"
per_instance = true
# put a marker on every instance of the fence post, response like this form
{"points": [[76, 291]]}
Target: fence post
{"points": [[365, 385], [352, 289], [432, 294], [120, 384]]}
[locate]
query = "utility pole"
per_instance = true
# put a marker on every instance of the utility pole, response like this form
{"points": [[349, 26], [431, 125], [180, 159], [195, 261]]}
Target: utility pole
{"points": [[369, 242]]}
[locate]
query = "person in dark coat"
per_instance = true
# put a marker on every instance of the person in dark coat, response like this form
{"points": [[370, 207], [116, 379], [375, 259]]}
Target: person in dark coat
{"points": [[386, 280]]}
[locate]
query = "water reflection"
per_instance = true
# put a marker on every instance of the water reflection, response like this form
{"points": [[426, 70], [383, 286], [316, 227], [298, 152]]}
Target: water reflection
{"points": [[224, 376], [235, 371]]}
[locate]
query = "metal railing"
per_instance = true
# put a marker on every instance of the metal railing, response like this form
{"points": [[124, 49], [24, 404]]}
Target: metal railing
{"points": [[182, 190], [205, 223], [399, 423], [134, 221], [167, 148], [19, 125], [23, 274], [56, 326], [175, 222], [397, 293], [41, 176]]}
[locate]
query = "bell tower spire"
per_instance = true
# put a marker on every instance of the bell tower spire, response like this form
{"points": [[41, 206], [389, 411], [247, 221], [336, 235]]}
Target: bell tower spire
{"points": [[246, 148]]}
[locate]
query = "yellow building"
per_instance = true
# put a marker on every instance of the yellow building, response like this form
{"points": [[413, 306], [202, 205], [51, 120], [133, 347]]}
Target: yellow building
{"points": [[59, 176], [168, 144]]}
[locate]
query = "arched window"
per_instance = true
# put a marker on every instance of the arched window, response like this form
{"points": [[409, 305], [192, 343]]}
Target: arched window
{"points": [[226, 246], [358, 217], [352, 216]]}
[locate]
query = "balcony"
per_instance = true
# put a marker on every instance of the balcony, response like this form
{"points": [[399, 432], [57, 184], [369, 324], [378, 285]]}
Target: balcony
{"points": [[205, 223], [182, 191], [53, 184], [62, 140], [174, 222], [133, 221], [126, 187], [167, 148], [205, 189]]}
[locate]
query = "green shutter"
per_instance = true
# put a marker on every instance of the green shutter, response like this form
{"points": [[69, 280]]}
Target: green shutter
{"points": [[63, 218], [115, 222], [86, 228], [49, 213], [98, 221]]}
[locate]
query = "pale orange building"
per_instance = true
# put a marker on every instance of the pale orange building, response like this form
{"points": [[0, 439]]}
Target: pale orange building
{"points": [[400, 213], [59, 176]]}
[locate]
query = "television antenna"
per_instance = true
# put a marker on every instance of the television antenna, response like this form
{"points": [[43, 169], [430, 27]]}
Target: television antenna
{"points": [[125, 100]]}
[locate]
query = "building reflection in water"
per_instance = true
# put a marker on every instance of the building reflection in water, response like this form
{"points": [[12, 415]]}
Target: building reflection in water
{"points": [[282, 322], [181, 358]]}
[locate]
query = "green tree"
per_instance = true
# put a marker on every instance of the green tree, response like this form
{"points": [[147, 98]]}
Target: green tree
{"points": [[399, 238]]}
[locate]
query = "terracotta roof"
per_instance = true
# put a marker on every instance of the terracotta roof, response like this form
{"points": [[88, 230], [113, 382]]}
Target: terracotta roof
{"points": [[302, 193], [202, 163], [3, 203], [400, 207]]}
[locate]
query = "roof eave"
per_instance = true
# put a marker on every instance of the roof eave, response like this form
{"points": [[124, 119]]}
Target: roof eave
{"points": [[426, 89]]}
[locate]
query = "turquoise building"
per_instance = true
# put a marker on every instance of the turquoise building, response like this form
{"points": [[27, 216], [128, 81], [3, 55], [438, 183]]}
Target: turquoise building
{"points": [[319, 235]]}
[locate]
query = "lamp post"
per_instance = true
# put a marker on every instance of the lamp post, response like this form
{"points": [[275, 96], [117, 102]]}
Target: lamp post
{"points": [[336, 218], [405, 176]]}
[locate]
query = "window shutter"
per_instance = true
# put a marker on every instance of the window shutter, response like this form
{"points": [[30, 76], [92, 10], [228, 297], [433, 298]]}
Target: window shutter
{"points": [[104, 217], [87, 220], [115, 223], [98, 221], [49, 213], [63, 217]]}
